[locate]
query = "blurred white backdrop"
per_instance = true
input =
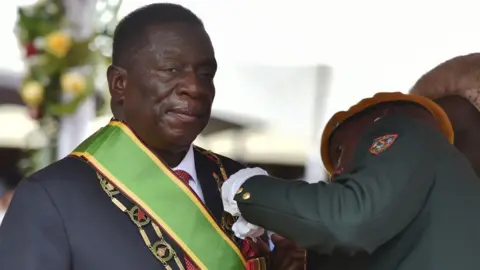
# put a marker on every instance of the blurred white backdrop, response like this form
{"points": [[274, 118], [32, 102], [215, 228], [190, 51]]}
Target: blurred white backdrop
{"points": [[372, 45]]}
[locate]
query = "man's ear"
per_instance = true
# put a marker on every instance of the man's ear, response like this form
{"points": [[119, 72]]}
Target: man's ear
{"points": [[117, 83]]}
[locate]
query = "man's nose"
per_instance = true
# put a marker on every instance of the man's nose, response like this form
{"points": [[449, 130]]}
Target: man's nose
{"points": [[191, 86]]}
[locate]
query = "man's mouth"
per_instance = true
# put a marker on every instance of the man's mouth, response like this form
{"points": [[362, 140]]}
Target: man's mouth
{"points": [[185, 115]]}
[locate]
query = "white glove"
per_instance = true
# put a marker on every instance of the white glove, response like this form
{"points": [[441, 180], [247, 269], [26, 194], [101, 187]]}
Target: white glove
{"points": [[231, 186], [243, 229]]}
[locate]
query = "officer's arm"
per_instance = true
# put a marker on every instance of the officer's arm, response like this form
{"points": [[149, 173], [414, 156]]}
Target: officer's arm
{"points": [[32, 234], [359, 211]]}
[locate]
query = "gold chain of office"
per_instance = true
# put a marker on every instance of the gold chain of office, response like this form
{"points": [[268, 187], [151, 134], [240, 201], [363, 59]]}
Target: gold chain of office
{"points": [[162, 250]]}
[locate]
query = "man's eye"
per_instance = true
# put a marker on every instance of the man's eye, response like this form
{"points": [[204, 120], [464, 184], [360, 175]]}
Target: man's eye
{"points": [[206, 72], [208, 75], [169, 69]]}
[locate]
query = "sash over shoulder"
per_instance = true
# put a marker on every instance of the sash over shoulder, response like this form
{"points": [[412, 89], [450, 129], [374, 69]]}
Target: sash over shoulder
{"points": [[126, 165]]}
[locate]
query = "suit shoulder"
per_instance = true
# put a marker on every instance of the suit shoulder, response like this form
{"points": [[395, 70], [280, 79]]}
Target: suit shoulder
{"points": [[65, 171], [71, 184], [229, 163]]}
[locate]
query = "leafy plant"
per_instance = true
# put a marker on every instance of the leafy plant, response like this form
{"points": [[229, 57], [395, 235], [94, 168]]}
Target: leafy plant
{"points": [[61, 69]]}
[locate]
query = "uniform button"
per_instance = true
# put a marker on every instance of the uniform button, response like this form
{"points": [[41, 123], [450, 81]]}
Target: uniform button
{"points": [[246, 196], [240, 190]]}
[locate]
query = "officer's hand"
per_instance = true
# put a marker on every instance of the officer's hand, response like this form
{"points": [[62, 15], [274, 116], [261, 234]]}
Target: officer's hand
{"points": [[287, 255], [233, 184]]}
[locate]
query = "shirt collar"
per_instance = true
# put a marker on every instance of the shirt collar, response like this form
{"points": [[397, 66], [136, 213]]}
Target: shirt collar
{"points": [[188, 164]]}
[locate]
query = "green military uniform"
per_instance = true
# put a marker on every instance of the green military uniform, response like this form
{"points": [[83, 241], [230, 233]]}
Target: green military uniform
{"points": [[412, 206]]}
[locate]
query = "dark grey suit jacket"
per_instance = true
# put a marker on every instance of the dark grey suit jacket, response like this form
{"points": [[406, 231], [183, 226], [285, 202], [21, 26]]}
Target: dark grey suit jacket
{"points": [[61, 219]]}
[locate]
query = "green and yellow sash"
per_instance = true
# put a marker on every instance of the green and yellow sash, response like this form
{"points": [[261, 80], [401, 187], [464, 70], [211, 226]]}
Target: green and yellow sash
{"points": [[117, 154]]}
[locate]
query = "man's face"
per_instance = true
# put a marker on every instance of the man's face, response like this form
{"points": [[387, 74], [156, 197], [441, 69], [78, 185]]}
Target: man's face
{"points": [[343, 143], [344, 140], [168, 90]]}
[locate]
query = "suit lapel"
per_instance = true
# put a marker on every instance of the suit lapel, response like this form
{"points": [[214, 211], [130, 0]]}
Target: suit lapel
{"points": [[205, 168]]}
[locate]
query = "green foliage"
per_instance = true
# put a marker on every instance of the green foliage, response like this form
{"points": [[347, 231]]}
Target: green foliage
{"points": [[35, 23], [39, 20]]}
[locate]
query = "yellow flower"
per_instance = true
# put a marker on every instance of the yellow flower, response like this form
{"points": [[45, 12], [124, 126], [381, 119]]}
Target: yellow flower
{"points": [[32, 93], [74, 83], [58, 44]]}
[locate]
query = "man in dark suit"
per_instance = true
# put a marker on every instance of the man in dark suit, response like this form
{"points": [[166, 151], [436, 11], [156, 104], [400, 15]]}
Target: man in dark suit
{"points": [[455, 86], [112, 203], [401, 196]]}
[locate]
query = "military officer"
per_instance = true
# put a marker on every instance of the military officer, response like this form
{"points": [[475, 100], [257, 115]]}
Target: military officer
{"points": [[455, 86], [401, 196]]}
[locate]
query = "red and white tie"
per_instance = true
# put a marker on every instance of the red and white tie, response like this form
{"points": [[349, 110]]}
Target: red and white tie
{"points": [[185, 177]]}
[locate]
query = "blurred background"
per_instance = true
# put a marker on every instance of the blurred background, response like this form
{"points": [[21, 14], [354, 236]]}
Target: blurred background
{"points": [[284, 68]]}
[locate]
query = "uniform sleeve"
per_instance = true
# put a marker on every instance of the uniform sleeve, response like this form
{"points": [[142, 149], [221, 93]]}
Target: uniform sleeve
{"points": [[32, 235], [232, 166], [360, 210]]}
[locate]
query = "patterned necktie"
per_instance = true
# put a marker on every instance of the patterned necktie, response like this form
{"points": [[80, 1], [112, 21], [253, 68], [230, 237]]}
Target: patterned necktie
{"points": [[185, 177]]}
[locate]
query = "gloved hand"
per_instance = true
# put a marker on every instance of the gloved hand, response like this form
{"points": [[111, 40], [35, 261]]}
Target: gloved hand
{"points": [[241, 227]]}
